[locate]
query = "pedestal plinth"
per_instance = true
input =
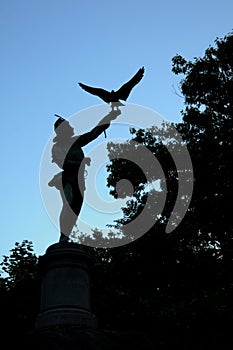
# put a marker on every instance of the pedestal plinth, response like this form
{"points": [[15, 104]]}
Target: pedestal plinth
{"points": [[65, 291]]}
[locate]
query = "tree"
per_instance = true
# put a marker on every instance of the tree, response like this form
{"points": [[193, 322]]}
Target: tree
{"points": [[20, 289], [21, 265], [207, 129], [207, 132], [194, 260]]}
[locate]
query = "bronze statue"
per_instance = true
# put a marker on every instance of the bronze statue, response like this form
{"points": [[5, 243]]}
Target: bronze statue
{"points": [[67, 153]]}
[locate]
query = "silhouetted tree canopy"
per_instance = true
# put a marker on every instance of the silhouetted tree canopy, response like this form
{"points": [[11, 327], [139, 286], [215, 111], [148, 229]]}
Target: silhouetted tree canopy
{"points": [[20, 292], [206, 129], [184, 276]]}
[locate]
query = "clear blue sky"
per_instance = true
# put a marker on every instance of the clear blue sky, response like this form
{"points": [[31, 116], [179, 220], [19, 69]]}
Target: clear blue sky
{"points": [[49, 46]]}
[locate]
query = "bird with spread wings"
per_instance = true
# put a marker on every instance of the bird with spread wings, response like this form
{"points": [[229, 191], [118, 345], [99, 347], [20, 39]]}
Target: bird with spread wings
{"points": [[114, 97]]}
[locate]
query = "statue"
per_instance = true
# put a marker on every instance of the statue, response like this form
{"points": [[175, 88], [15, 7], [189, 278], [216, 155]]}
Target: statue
{"points": [[67, 153]]}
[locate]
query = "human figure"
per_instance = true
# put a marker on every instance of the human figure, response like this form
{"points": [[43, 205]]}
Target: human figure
{"points": [[67, 153]]}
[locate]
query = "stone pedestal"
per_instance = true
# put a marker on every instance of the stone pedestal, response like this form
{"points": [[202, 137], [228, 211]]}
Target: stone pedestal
{"points": [[65, 291]]}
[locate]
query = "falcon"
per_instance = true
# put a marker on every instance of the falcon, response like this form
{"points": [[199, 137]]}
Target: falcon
{"points": [[114, 97]]}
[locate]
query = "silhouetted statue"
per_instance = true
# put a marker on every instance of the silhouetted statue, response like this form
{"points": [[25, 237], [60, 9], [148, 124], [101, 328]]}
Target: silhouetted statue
{"points": [[114, 97], [67, 153]]}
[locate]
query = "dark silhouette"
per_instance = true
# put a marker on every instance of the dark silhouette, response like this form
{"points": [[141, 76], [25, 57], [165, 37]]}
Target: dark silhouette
{"points": [[67, 153], [114, 97]]}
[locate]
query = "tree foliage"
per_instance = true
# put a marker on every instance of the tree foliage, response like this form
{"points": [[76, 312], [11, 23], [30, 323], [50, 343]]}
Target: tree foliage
{"points": [[20, 265], [20, 290], [207, 128], [184, 276]]}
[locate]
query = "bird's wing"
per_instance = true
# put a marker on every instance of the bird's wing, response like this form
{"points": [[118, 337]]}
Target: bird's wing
{"points": [[125, 89], [103, 94]]}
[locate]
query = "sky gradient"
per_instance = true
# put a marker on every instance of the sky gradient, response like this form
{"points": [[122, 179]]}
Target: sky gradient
{"points": [[47, 47]]}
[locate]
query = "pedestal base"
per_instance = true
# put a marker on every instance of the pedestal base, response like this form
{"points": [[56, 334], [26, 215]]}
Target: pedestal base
{"points": [[65, 292], [66, 317]]}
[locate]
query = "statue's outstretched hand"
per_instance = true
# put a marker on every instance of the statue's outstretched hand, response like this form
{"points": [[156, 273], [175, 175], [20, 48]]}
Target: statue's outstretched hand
{"points": [[108, 118], [114, 113]]}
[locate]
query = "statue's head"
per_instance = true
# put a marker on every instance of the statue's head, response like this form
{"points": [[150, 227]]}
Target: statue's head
{"points": [[58, 122], [63, 128]]}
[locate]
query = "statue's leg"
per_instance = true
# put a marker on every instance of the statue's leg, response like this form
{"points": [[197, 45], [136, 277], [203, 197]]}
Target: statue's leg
{"points": [[63, 238], [67, 216], [72, 203], [67, 221]]}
